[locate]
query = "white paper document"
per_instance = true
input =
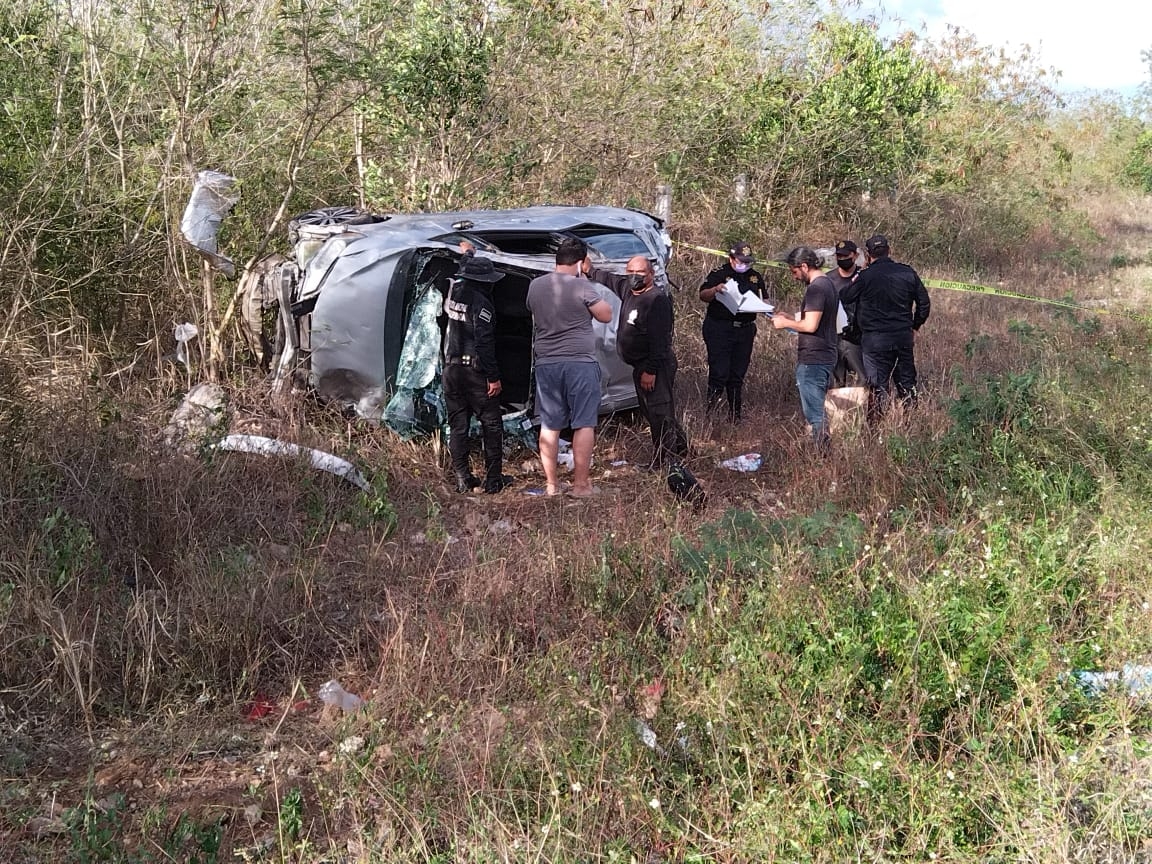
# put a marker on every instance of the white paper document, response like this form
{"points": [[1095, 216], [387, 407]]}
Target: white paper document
{"points": [[737, 302]]}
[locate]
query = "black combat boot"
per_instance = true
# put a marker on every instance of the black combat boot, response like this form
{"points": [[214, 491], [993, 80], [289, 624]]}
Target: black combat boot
{"points": [[466, 483]]}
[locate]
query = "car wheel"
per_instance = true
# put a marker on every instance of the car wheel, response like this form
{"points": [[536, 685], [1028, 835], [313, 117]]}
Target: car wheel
{"points": [[330, 216]]}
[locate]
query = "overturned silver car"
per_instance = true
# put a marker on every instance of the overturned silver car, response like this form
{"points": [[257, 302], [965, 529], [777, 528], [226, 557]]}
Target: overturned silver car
{"points": [[360, 303]]}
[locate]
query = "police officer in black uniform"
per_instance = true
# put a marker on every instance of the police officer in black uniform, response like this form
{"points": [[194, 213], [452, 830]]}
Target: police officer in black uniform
{"points": [[727, 335], [471, 377], [851, 358], [891, 305]]}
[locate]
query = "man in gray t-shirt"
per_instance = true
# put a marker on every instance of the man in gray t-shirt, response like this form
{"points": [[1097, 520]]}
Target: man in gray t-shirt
{"points": [[563, 304]]}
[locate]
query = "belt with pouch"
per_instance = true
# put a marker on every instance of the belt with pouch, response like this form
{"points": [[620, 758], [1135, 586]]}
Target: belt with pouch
{"points": [[463, 360]]}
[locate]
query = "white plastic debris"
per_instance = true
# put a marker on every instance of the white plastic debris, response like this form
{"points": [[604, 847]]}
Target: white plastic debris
{"points": [[331, 693], [214, 195], [351, 745], [1132, 679], [321, 461], [201, 413], [184, 333], [645, 733], [745, 462]]}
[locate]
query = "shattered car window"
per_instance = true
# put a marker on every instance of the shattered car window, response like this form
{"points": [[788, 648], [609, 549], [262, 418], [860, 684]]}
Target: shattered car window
{"points": [[418, 403], [613, 244]]}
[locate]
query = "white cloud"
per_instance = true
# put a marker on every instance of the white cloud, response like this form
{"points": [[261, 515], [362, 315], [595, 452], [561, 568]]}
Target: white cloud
{"points": [[1094, 45]]}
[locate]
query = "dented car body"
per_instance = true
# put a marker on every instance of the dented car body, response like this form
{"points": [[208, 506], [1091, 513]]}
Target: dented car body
{"points": [[360, 301]]}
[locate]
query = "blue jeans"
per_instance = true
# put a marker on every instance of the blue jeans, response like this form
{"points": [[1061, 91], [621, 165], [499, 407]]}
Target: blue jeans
{"points": [[812, 381]]}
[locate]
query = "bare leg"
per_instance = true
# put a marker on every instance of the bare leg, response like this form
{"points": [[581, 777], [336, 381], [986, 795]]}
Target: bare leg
{"points": [[549, 448], [583, 440]]}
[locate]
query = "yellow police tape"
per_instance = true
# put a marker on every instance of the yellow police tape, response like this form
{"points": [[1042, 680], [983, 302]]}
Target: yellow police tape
{"points": [[971, 288]]}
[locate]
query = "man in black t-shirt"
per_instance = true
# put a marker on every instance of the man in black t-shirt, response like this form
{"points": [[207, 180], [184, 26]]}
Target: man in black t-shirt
{"points": [[816, 339], [644, 342]]}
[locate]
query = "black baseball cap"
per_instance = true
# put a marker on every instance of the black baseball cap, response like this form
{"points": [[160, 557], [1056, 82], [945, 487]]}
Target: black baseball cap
{"points": [[742, 252]]}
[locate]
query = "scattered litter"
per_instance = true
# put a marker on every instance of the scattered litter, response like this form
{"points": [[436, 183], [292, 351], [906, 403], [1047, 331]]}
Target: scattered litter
{"points": [[536, 491], [201, 412], [321, 461], [649, 699], [564, 455], [331, 693], [213, 197], [746, 463], [351, 745], [645, 733], [184, 333], [619, 463], [259, 708], [1134, 680]]}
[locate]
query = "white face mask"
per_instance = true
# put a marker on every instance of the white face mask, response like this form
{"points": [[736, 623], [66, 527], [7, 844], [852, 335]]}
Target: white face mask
{"points": [[741, 267]]}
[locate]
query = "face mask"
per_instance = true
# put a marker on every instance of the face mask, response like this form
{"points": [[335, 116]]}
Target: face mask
{"points": [[636, 281], [741, 267], [845, 264]]}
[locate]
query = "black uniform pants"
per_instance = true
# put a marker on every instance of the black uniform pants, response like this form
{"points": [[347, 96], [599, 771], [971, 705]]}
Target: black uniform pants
{"points": [[465, 396], [888, 355], [729, 356], [850, 358], [658, 407]]}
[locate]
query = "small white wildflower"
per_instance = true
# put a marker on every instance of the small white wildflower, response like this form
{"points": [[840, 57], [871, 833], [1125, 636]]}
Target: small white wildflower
{"points": [[654, 803], [877, 765], [949, 775], [576, 788], [544, 829]]}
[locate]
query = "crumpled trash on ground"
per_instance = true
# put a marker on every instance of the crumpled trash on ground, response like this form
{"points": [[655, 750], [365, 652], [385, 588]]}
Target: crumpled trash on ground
{"points": [[1132, 679], [746, 462], [213, 197], [184, 333], [321, 461], [645, 733], [564, 456], [201, 413], [331, 693]]}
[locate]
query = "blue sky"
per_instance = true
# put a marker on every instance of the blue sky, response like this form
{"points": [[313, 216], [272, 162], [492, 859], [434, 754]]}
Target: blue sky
{"points": [[1096, 44]]}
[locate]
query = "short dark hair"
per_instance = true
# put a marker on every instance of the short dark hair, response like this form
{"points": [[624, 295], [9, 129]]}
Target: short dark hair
{"points": [[572, 250], [802, 255]]}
